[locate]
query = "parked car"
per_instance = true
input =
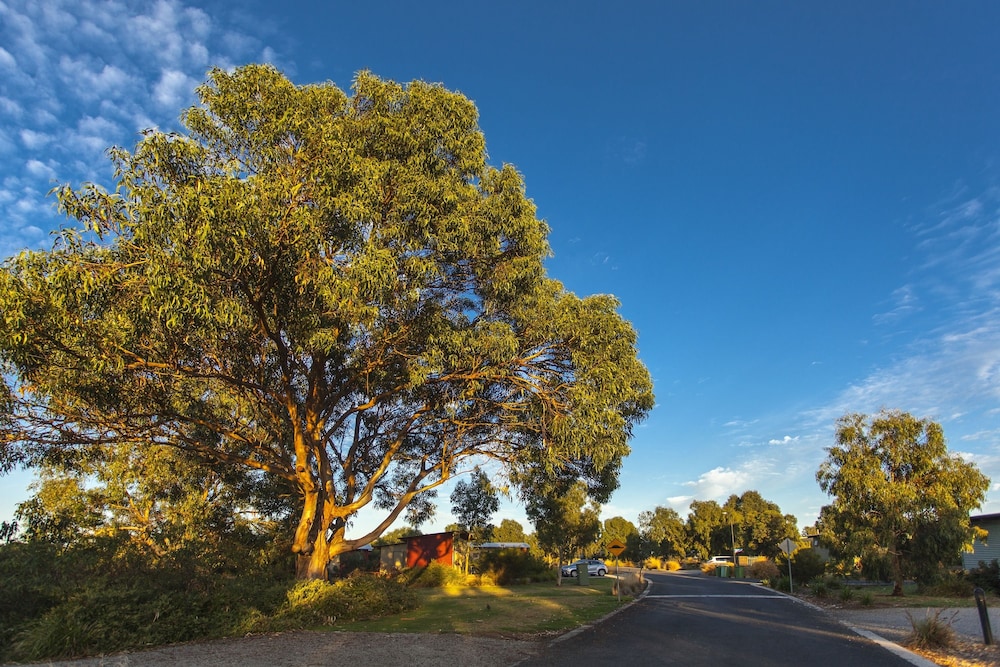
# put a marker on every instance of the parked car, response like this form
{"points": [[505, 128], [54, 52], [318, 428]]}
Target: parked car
{"points": [[720, 560], [594, 567]]}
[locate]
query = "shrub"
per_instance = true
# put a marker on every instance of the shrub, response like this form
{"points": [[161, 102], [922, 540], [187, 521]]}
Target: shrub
{"points": [[315, 603], [986, 576], [653, 563], [931, 631], [950, 586], [846, 594], [820, 590], [764, 569], [807, 565], [513, 566], [781, 584], [867, 599], [671, 566], [434, 575]]}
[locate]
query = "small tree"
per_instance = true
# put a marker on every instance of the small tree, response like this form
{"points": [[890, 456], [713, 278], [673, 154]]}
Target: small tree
{"points": [[474, 503], [898, 493], [565, 522]]}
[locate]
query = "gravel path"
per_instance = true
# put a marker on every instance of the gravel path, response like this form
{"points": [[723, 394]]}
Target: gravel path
{"points": [[304, 649]]}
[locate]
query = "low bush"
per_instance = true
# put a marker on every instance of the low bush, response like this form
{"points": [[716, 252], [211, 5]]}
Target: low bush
{"points": [[846, 594], [434, 575], [99, 598], [931, 631], [653, 563], [781, 584], [950, 586], [820, 590], [764, 569], [671, 566], [630, 584], [986, 576], [513, 566], [356, 598], [807, 565], [867, 599]]}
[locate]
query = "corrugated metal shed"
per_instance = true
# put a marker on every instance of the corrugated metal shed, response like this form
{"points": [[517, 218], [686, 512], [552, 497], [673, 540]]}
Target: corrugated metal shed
{"points": [[422, 550], [984, 551]]}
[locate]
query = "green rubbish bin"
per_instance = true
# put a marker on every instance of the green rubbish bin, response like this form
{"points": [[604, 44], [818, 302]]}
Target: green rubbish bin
{"points": [[582, 574], [739, 572], [722, 570]]}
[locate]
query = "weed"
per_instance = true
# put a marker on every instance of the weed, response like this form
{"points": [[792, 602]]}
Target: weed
{"points": [[630, 584], [931, 631]]}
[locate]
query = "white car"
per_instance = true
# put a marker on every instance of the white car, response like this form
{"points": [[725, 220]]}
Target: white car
{"points": [[594, 566], [720, 560]]}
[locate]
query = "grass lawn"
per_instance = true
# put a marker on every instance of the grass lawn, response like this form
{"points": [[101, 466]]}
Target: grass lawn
{"points": [[882, 597], [507, 611]]}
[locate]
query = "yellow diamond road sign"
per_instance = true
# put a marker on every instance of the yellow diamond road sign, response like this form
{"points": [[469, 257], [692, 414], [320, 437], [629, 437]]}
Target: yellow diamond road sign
{"points": [[616, 547]]}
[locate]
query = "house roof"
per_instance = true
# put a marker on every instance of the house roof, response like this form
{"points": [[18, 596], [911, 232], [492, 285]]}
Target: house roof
{"points": [[984, 517]]}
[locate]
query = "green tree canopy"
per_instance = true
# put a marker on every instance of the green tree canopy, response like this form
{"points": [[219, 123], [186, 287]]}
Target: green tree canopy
{"points": [[474, 503], [396, 535], [509, 530], [621, 529], [704, 525], [664, 531], [331, 289], [898, 494], [565, 522], [758, 524]]}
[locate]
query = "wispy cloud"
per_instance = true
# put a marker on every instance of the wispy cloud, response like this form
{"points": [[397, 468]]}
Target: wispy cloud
{"points": [[79, 76]]}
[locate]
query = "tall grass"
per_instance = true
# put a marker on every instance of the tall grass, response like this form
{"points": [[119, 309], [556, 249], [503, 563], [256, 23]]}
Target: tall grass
{"points": [[931, 631]]}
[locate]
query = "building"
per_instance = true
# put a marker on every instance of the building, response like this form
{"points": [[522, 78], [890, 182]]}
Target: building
{"points": [[984, 551], [418, 551]]}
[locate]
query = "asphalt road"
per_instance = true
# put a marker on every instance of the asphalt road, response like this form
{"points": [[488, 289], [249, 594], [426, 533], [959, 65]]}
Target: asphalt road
{"points": [[697, 621]]}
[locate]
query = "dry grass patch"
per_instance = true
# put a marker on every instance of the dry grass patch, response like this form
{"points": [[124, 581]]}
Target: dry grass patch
{"points": [[505, 611]]}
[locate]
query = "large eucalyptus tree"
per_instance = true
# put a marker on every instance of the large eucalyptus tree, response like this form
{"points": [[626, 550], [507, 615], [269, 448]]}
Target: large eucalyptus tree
{"points": [[334, 289], [898, 494]]}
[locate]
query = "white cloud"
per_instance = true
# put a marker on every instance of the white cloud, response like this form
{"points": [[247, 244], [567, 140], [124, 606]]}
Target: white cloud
{"points": [[39, 169], [7, 61], [79, 76], [91, 81], [719, 482], [10, 107], [787, 440], [35, 140], [173, 89]]}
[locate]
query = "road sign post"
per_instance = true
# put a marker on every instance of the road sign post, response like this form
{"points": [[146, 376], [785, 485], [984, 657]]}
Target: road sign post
{"points": [[615, 548], [789, 547]]}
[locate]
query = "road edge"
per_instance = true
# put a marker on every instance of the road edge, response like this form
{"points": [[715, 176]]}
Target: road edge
{"points": [[586, 626], [891, 646]]}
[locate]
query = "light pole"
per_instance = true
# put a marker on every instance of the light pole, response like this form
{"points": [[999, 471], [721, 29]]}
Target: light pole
{"points": [[732, 539]]}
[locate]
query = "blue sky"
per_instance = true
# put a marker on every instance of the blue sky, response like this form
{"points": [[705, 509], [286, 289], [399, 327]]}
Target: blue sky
{"points": [[798, 204]]}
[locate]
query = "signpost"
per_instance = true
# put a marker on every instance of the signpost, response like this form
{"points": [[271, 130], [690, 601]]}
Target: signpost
{"points": [[789, 547], [615, 548]]}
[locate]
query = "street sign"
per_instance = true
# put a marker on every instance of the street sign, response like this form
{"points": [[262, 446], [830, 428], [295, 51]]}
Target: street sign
{"points": [[788, 546], [616, 547]]}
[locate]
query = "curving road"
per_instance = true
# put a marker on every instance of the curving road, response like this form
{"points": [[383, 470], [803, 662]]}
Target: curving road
{"points": [[694, 620]]}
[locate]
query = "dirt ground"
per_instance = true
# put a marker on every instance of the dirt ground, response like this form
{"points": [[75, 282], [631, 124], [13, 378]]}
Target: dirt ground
{"points": [[305, 649]]}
